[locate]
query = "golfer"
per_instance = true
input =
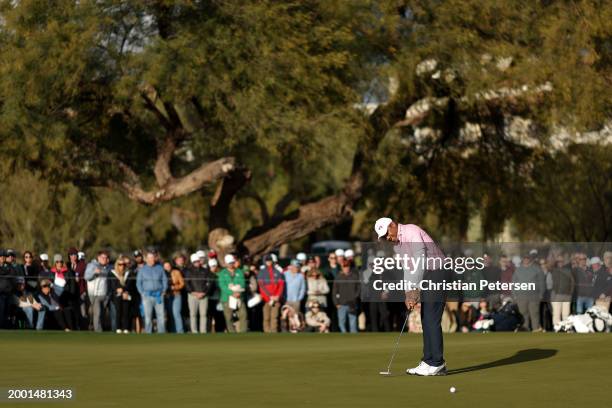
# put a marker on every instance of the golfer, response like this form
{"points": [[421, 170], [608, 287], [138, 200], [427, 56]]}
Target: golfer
{"points": [[411, 238]]}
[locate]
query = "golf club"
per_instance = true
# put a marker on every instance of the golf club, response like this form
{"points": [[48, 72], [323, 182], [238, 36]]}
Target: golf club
{"points": [[388, 372]]}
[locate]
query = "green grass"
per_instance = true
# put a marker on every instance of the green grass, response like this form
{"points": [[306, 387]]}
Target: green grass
{"points": [[255, 370]]}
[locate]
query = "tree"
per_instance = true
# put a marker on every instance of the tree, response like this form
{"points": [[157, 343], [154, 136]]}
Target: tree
{"points": [[246, 100]]}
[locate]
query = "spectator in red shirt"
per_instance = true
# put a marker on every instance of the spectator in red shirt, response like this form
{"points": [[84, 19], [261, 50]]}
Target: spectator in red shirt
{"points": [[271, 287]]}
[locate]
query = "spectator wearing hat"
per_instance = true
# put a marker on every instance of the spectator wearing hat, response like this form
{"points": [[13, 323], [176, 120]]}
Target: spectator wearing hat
{"points": [[585, 280], [137, 311], [215, 315], [232, 286], [26, 303], [96, 275], [340, 255], [54, 313], [152, 283], [44, 264], [316, 319], [296, 285], [11, 260], [345, 294], [121, 286], [7, 285], [177, 284], [271, 286], [197, 281], [76, 268]]}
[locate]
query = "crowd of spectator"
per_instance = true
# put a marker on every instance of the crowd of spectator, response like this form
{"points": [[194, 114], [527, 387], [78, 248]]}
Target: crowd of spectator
{"points": [[201, 294]]}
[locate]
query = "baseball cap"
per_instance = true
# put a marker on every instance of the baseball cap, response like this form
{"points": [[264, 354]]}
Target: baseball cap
{"points": [[381, 226], [137, 253], [2, 252], [44, 257], [201, 254], [349, 253], [212, 263], [212, 253], [81, 255], [229, 259], [58, 258], [595, 260], [194, 258], [339, 252], [295, 262], [301, 256], [10, 252]]}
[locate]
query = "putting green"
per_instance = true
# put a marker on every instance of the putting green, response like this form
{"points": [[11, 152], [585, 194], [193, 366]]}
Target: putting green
{"points": [[334, 370]]}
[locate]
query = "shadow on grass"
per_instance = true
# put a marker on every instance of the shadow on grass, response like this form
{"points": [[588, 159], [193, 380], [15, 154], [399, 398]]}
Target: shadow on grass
{"points": [[521, 356]]}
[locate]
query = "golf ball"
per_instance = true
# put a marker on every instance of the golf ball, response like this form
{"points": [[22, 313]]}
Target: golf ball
{"points": [[453, 389]]}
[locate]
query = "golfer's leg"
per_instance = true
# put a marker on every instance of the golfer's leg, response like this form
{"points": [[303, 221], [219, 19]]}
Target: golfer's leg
{"points": [[431, 315], [424, 322]]}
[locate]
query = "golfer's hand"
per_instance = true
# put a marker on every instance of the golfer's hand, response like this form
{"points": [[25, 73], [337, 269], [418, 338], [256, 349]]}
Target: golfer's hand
{"points": [[412, 298], [410, 305]]}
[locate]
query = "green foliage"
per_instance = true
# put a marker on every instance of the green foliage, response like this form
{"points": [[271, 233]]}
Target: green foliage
{"points": [[43, 216], [275, 84], [570, 198]]}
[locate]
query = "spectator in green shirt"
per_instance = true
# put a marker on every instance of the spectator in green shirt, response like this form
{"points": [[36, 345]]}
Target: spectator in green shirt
{"points": [[232, 285]]}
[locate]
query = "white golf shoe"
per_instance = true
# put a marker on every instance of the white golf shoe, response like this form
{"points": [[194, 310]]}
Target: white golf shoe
{"points": [[426, 370], [421, 366]]}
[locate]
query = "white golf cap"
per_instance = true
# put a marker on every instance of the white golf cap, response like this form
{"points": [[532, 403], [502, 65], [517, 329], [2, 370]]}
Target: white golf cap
{"points": [[44, 257], [81, 255], [229, 258], [301, 256], [212, 263], [194, 258], [274, 257], [595, 260], [339, 252], [349, 253], [381, 226], [201, 254]]}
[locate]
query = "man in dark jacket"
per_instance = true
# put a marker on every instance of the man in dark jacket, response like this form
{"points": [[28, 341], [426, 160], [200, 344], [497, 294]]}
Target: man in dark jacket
{"points": [[7, 285], [345, 294], [197, 283]]}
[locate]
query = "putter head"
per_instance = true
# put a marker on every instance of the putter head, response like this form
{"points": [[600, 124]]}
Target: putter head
{"points": [[386, 373]]}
